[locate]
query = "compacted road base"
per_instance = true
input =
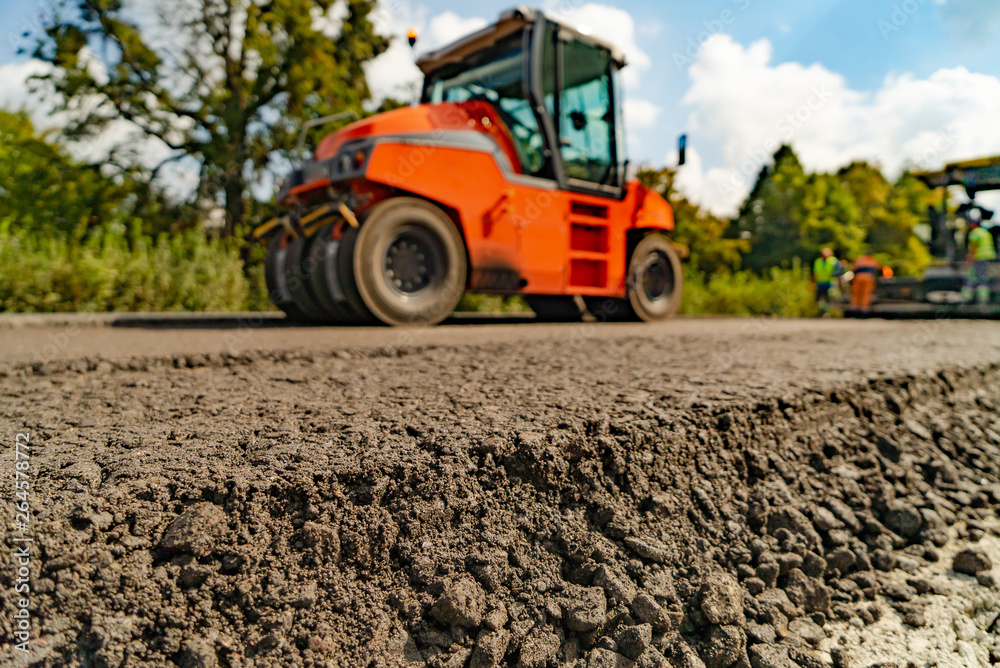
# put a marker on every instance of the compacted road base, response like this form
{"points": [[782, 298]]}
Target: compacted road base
{"points": [[703, 493]]}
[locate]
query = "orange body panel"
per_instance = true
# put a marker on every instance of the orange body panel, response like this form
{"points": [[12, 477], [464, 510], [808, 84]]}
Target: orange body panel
{"points": [[521, 235], [426, 119]]}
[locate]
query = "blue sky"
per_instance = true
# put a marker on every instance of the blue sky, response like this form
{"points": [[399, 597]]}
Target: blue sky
{"points": [[900, 82]]}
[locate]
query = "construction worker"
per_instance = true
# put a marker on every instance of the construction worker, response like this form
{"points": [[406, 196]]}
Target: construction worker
{"points": [[826, 269], [865, 268], [982, 252]]}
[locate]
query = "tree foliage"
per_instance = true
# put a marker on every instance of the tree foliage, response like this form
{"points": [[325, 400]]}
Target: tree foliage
{"points": [[770, 217], [45, 192], [791, 215], [226, 82]]}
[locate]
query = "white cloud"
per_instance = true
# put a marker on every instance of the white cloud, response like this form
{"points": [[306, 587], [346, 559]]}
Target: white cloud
{"points": [[15, 94], [641, 113], [449, 27], [709, 187], [394, 73], [610, 24], [14, 88], [331, 22], [747, 106], [395, 17]]}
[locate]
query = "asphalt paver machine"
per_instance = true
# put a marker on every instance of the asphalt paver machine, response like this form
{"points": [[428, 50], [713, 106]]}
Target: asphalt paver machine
{"points": [[943, 291]]}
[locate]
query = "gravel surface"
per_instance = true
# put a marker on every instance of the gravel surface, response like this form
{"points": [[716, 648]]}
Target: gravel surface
{"points": [[703, 493], [938, 616]]}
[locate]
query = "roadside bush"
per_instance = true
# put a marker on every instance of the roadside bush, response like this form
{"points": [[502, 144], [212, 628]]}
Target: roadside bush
{"points": [[778, 292], [181, 272]]}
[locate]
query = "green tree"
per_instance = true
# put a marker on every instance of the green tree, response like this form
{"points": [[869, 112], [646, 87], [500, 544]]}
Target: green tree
{"points": [[227, 82], [790, 215], [44, 192], [895, 239], [829, 217], [889, 214], [702, 232], [771, 217]]}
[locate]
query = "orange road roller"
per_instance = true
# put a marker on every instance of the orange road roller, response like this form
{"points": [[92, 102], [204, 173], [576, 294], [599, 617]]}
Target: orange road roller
{"points": [[510, 178]]}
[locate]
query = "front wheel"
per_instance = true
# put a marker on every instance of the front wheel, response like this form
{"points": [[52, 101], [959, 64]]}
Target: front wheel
{"points": [[409, 263], [655, 285], [324, 279], [655, 279]]}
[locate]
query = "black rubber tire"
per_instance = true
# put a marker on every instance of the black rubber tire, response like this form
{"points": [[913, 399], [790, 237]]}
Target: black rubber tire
{"points": [[429, 280], [345, 270], [655, 281], [275, 277], [324, 278], [554, 308], [297, 271]]}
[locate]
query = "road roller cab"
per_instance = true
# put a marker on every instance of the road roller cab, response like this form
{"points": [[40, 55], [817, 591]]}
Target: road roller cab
{"points": [[508, 178]]}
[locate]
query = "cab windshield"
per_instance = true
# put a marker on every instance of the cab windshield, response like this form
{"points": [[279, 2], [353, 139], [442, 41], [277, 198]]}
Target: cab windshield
{"points": [[496, 76]]}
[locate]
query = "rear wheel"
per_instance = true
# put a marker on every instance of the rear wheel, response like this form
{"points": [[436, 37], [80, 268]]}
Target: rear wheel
{"points": [[276, 278], [554, 308], [324, 278], [297, 272], [409, 263], [345, 270]]}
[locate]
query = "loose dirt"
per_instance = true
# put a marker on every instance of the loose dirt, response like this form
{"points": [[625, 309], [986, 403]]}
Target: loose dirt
{"points": [[705, 493]]}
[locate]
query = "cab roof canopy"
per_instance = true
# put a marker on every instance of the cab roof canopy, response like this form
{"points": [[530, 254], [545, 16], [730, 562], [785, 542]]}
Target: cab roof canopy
{"points": [[509, 23], [974, 175]]}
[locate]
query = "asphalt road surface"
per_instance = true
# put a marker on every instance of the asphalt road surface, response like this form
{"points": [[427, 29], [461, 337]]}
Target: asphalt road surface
{"points": [[822, 345], [213, 491]]}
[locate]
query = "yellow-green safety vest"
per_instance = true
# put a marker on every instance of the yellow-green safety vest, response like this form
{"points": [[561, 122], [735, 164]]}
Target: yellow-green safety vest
{"points": [[825, 269], [981, 241]]}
